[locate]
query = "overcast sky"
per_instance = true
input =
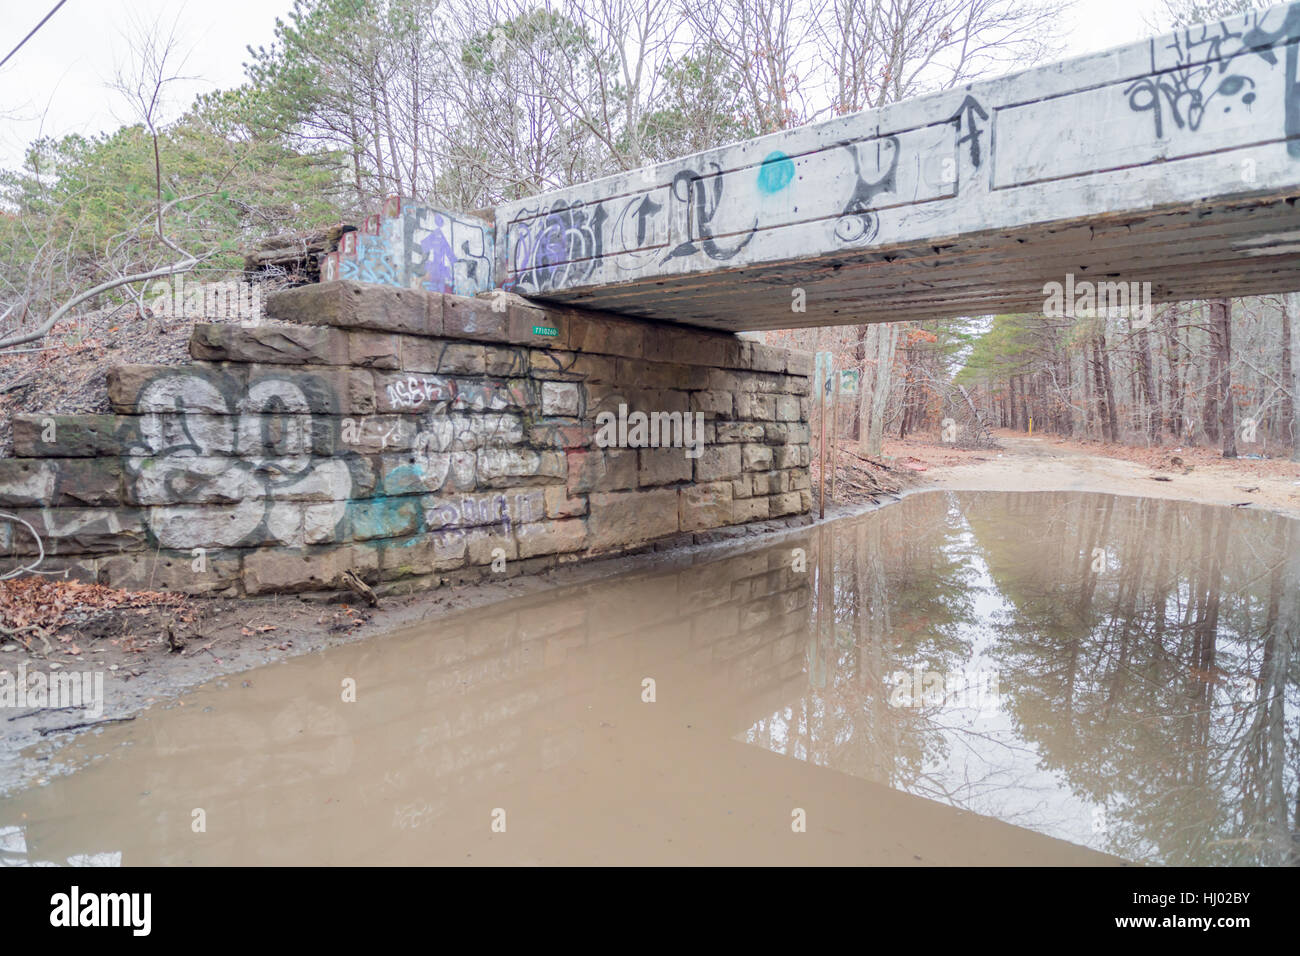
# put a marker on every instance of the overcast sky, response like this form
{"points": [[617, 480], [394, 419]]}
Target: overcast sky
{"points": [[57, 83]]}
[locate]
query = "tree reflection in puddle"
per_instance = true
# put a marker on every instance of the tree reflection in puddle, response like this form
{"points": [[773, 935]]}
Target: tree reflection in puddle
{"points": [[1144, 654], [1120, 673]]}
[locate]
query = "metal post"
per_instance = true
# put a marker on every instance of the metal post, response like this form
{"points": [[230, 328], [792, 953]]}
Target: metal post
{"points": [[835, 435], [821, 456]]}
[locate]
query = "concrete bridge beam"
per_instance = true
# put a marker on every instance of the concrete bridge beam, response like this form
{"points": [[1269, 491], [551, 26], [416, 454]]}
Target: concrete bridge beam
{"points": [[1173, 161]]}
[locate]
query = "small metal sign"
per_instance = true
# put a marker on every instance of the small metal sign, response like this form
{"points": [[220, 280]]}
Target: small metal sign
{"points": [[849, 381], [825, 371], [545, 330]]}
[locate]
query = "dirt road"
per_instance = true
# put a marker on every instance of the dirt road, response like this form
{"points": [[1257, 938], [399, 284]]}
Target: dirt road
{"points": [[1043, 464]]}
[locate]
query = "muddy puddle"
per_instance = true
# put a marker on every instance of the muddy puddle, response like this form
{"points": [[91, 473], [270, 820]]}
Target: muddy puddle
{"points": [[961, 678]]}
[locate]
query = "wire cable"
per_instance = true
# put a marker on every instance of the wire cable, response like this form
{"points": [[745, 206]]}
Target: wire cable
{"points": [[33, 33]]}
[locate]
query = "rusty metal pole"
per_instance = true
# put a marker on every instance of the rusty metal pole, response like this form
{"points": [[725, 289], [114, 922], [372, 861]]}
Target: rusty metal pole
{"points": [[821, 454], [835, 435]]}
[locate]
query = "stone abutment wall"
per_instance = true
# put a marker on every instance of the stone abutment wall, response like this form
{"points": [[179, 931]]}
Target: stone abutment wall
{"points": [[412, 438]]}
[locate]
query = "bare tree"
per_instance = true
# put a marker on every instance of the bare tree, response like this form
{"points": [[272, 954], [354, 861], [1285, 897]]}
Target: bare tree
{"points": [[143, 81], [883, 51], [769, 46]]}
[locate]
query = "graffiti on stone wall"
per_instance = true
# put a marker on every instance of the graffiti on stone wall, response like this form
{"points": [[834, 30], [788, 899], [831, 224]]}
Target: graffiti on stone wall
{"points": [[371, 261], [274, 458], [203, 439], [1218, 68], [967, 121], [416, 246], [455, 515], [446, 253]]}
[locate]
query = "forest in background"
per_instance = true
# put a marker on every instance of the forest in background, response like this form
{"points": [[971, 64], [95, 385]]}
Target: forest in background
{"points": [[468, 103]]}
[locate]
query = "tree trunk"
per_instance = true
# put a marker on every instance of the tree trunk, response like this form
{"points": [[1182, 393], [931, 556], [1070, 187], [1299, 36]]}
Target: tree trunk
{"points": [[1112, 422], [1210, 416], [1290, 433], [1150, 399], [886, 342], [1175, 374], [1221, 323]]}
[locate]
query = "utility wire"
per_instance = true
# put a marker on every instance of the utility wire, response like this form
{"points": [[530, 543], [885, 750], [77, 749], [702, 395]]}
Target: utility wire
{"points": [[33, 33]]}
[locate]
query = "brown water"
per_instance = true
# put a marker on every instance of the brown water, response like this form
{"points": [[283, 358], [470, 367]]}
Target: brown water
{"points": [[959, 678]]}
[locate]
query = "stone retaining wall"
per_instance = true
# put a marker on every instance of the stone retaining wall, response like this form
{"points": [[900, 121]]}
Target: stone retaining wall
{"points": [[410, 437]]}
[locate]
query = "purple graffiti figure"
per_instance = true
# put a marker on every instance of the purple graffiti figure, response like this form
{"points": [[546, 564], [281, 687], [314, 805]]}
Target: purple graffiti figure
{"points": [[440, 260]]}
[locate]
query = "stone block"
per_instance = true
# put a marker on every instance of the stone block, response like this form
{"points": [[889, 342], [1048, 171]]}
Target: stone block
{"points": [[547, 328], [421, 554], [476, 319], [755, 406], [560, 433], [47, 435], [785, 456], [706, 506], [286, 570], [625, 519], [385, 517], [800, 363], [739, 432], [718, 462], [272, 344], [601, 470], [485, 545], [750, 509], [607, 336], [375, 350], [756, 457], [663, 466], [35, 482], [559, 504], [209, 572], [561, 398], [73, 531], [356, 305], [506, 467], [552, 537], [788, 503], [505, 361], [715, 404]]}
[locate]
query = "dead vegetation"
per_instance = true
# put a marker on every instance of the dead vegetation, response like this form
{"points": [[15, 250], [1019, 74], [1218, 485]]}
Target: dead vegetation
{"points": [[52, 616]]}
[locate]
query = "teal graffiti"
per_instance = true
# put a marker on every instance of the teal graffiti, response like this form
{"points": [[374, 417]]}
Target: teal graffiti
{"points": [[776, 172]]}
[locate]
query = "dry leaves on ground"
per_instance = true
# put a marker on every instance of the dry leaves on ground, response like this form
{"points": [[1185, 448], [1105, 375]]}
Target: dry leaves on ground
{"points": [[39, 605]]}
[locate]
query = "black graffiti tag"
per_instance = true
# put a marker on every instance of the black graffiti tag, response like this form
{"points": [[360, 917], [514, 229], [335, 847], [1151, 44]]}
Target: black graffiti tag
{"points": [[858, 221], [1184, 94], [702, 205]]}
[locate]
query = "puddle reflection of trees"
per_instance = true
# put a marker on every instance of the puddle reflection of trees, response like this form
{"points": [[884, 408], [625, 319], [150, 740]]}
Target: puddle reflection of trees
{"points": [[1155, 689]]}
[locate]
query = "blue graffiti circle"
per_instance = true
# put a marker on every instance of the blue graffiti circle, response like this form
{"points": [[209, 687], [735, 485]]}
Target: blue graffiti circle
{"points": [[776, 172]]}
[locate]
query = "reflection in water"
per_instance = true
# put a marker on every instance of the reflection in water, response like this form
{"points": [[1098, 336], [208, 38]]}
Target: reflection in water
{"points": [[1143, 655]]}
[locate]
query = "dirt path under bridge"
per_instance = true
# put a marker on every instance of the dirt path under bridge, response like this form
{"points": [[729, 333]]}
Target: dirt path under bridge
{"points": [[1051, 464]]}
